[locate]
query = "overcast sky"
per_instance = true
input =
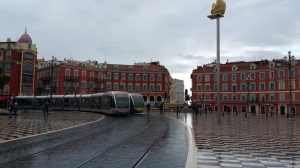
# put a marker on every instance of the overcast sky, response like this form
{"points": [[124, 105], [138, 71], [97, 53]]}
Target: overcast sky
{"points": [[177, 33]]}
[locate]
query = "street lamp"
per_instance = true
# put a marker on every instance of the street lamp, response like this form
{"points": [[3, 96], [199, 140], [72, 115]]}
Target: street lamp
{"points": [[51, 80], [234, 98], [290, 83], [217, 16], [248, 97]]}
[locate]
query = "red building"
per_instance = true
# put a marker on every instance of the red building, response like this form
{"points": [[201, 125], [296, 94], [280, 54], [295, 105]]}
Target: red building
{"points": [[261, 86], [152, 80], [18, 59]]}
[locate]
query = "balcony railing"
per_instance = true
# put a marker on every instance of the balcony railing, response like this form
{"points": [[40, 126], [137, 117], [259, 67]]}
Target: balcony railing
{"points": [[45, 78], [71, 77], [71, 87]]}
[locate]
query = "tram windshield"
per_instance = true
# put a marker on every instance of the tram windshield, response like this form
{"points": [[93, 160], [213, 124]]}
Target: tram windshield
{"points": [[122, 100], [138, 101]]}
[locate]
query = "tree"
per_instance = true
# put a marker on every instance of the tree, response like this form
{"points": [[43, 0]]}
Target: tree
{"points": [[4, 79]]}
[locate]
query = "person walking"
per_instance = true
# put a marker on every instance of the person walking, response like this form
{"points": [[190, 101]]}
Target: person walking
{"points": [[46, 108], [148, 107], [161, 108], [15, 109], [10, 109], [177, 110]]}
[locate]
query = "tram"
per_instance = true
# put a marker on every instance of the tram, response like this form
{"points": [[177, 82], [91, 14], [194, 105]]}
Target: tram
{"points": [[112, 102], [136, 103]]}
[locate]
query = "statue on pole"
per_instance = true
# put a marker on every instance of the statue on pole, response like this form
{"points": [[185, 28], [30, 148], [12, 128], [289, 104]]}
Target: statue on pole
{"points": [[218, 7]]}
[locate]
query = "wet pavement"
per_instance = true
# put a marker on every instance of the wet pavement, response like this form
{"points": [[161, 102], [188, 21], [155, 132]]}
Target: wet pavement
{"points": [[239, 141]]}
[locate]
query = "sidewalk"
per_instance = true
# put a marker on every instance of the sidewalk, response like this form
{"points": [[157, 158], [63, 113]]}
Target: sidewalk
{"points": [[34, 123]]}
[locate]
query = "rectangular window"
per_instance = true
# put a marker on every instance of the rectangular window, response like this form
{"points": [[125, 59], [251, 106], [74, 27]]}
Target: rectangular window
{"points": [[262, 86], [207, 87], [243, 86], [281, 74], [108, 85], [272, 97], [116, 86], [159, 78], [207, 97], [145, 87], [215, 97], [123, 76], [252, 86], [281, 85], [224, 87], [145, 77], [281, 96], [234, 86], [225, 97], [215, 87], [224, 77], [293, 96], [199, 78], [116, 76], [137, 86], [272, 86], [91, 74], [158, 87], [130, 77], [243, 76], [199, 97], [206, 78], [252, 76], [130, 86], [293, 84], [108, 75], [272, 75], [233, 76], [151, 87], [292, 72], [199, 87], [83, 84], [262, 75], [152, 77], [234, 97], [137, 77], [243, 97]]}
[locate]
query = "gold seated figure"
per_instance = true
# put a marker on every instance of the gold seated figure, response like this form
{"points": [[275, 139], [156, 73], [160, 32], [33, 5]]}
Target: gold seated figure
{"points": [[218, 7]]}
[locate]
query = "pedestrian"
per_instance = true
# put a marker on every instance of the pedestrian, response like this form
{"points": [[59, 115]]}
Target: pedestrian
{"points": [[209, 108], [177, 110], [148, 107], [196, 109], [15, 109], [10, 108], [161, 108], [46, 108]]}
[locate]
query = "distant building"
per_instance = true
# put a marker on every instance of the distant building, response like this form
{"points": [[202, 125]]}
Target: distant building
{"points": [[261, 86], [179, 90], [18, 59], [152, 80]]}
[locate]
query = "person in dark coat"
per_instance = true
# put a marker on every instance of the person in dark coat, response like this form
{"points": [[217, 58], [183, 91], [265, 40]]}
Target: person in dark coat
{"points": [[10, 108], [161, 108], [177, 110], [15, 110], [46, 108], [148, 107]]}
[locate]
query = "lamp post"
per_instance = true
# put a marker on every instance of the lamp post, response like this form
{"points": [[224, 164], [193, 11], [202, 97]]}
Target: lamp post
{"points": [[290, 83], [51, 80], [217, 16], [234, 106], [248, 97]]}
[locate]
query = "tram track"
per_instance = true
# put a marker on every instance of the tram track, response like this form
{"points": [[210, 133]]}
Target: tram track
{"points": [[80, 134], [146, 136]]}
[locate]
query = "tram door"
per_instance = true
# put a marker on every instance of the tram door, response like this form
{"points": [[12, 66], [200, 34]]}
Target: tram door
{"points": [[282, 110]]}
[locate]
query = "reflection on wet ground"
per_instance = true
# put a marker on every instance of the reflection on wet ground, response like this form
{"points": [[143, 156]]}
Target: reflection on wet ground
{"points": [[239, 141], [30, 124]]}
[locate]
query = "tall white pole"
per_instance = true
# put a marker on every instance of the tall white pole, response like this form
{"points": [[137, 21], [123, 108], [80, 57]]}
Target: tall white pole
{"points": [[218, 72]]}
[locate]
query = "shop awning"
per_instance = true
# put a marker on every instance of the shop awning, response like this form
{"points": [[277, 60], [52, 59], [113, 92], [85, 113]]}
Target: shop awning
{"points": [[5, 98]]}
